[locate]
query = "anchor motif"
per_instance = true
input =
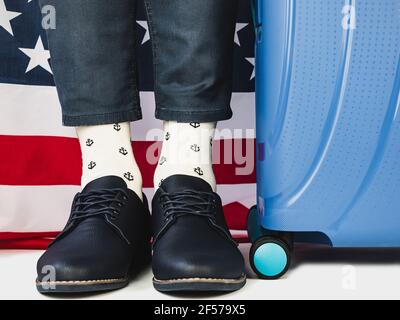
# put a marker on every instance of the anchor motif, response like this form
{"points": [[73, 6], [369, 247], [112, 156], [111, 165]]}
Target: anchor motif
{"points": [[195, 147], [89, 142], [167, 136], [123, 151], [128, 176], [199, 171], [162, 160], [117, 127], [195, 124], [91, 165]]}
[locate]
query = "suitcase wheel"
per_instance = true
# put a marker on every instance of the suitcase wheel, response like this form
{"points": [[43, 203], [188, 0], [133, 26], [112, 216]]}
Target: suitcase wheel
{"points": [[270, 257]]}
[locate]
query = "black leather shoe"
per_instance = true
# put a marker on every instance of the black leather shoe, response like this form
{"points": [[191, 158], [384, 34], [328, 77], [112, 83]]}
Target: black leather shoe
{"points": [[105, 242], [192, 247]]}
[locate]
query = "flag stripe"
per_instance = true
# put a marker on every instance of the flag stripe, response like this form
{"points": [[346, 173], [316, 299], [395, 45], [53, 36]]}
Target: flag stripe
{"points": [[49, 207], [29, 244], [17, 236], [40, 241], [42, 114], [32, 160]]}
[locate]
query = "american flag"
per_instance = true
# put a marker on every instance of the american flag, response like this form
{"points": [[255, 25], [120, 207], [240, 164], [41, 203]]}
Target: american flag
{"points": [[40, 161]]}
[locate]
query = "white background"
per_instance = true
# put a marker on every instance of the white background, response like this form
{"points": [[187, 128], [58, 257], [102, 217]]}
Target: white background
{"points": [[316, 273]]}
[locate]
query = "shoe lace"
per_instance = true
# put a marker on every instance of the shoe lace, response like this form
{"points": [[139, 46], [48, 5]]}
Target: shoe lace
{"points": [[107, 202], [188, 203]]}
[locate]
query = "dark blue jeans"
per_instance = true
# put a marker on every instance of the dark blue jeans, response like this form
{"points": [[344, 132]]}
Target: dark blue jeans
{"points": [[94, 64]]}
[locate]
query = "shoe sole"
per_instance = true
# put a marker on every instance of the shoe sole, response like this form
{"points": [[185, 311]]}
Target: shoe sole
{"points": [[199, 285], [81, 286], [91, 286]]}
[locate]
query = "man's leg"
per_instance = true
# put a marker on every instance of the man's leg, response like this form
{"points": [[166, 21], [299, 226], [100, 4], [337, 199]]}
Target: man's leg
{"points": [[93, 60], [193, 59]]}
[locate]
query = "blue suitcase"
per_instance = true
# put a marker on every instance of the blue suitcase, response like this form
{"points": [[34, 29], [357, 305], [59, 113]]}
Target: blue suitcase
{"points": [[328, 127]]}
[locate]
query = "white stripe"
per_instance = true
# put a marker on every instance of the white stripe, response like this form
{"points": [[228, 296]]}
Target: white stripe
{"points": [[243, 193], [35, 209], [35, 111], [238, 233], [47, 208], [31, 110]]}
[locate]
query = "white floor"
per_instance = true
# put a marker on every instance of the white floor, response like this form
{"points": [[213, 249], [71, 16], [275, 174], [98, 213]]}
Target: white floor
{"points": [[316, 273]]}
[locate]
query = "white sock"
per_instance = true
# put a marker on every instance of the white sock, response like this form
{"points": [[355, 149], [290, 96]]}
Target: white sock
{"points": [[107, 151], [187, 150]]}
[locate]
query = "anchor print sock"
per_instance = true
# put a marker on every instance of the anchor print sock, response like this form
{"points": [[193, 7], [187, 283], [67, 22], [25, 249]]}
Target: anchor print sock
{"points": [[107, 151], [187, 150]]}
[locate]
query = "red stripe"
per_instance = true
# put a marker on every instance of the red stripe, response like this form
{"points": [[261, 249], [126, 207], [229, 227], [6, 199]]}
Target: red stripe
{"points": [[235, 214], [32, 241], [45, 160], [42, 244], [19, 236], [32, 244], [242, 240]]}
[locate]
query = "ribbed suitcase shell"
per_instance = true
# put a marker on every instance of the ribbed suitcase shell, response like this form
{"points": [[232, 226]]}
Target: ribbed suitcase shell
{"points": [[328, 119]]}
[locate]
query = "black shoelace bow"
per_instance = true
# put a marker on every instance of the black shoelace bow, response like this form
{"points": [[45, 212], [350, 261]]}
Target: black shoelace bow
{"points": [[203, 204], [188, 202], [107, 202]]}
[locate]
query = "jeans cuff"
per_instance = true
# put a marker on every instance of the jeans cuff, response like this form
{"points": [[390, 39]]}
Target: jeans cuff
{"points": [[212, 115], [99, 119]]}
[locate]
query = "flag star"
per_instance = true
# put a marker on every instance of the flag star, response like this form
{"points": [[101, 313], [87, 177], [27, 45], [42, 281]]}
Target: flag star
{"points": [[38, 57], [145, 26], [239, 26], [252, 61], [6, 17]]}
